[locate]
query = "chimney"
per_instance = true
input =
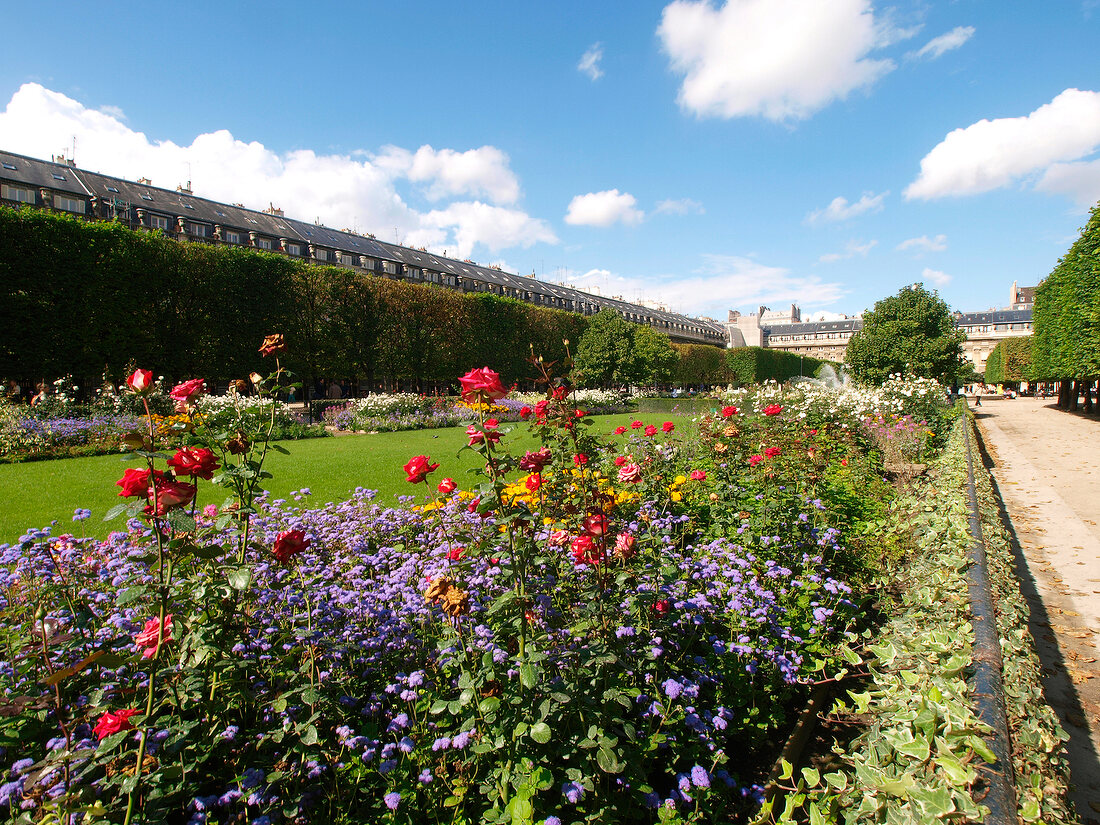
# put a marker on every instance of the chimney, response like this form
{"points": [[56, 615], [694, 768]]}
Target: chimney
{"points": [[146, 181], [272, 209], [186, 188]]}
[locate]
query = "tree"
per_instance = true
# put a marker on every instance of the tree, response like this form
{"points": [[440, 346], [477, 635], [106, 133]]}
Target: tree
{"points": [[605, 353], [654, 357], [911, 332], [1010, 362]]}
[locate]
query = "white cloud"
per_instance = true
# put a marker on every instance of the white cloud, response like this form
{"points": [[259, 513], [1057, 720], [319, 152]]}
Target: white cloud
{"points": [[924, 244], [339, 190], [721, 283], [113, 111], [852, 249], [937, 46], [780, 59], [935, 276], [603, 209], [1080, 181], [990, 154], [590, 62], [825, 315], [840, 210], [448, 173], [682, 206]]}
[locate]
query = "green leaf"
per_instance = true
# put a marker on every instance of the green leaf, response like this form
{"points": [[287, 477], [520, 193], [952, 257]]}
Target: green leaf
{"points": [[528, 675], [812, 777], [116, 511], [309, 735], [608, 761], [239, 578], [540, 732], [131, 594], [489, 704]]}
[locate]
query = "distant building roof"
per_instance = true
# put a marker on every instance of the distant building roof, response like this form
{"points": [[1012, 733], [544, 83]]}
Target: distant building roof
{"points": [[996, 316]]}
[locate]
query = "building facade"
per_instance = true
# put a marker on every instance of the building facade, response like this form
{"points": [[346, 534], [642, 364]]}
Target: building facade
{"points": [[60, 186], [828, 340]]}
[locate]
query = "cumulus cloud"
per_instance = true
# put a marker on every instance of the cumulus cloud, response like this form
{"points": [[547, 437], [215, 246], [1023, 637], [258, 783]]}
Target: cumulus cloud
{"points": [[938, 46], [1079, 181], [681, 206], [339, 190], [924, 244], [779, 59], [720, 283], [603, 209], [825, 315], [991, 154], [852, 249], [447, 173], [935, 276], [590, 62], [840, 210]]}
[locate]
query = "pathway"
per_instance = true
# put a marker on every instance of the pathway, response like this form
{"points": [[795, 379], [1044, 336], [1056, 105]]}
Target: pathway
{"points": [[1044, 470]]}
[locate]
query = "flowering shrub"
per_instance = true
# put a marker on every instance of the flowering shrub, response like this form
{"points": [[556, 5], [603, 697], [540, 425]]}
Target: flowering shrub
{"points": [[572, 637]]}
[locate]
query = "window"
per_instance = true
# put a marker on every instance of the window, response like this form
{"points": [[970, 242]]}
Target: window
{"points": [[412, 272], [347, 260], [69, 204], [146, 196], [58, 177], [293, 249], [231, 237], [17, 193], [158, 222], [197, 229], [368, 263], [389, 267], [263, 243], [112, 189], [188, 206], [10, 166]]}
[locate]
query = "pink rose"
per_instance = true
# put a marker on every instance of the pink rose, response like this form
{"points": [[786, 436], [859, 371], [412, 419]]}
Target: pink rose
{"points": [[624, 545], [146, 640], [584, 551], [187, 393], [140, 382], [698, 475], [630, 474], [755, 459], [534, 462]]}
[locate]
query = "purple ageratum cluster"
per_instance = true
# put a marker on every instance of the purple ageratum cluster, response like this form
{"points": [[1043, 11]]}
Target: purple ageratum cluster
{"points": [[376, 637], [44, 433]]}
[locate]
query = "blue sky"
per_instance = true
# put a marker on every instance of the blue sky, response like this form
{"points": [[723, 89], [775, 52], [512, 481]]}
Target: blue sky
{"points": [[708, 155]]}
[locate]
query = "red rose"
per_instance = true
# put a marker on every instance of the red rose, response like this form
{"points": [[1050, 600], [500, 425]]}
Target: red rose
{"points": [[620, 460], [729, 412], [771, 452], [171, 495], [418, 467], [579, 413], [843, 462], [698, 475], [187, 393], [482, 384], [533, 482], [289, 543], [540, 409], [525, 412], [662, 606], [620, 430], [140, 382], [534, 462], [135, 483], [668, 426], [273, 345], [447, 486], [636, 425], [455, 553], [559, 393], [473, 505], [755, 459], [773, 409], [651, 430], [584, 551], [197, 462], [595, 524], [113, 723], [580, 459], [146, 640]]}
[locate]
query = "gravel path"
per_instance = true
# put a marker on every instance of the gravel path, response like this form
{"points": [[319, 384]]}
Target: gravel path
{"points": [[1045, 471]]}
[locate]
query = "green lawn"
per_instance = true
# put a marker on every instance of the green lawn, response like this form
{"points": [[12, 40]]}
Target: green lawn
{"points": [[36, 493]]}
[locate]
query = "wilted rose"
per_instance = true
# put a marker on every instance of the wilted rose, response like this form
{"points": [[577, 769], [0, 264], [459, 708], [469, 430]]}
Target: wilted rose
{"points": [[273, 345]]}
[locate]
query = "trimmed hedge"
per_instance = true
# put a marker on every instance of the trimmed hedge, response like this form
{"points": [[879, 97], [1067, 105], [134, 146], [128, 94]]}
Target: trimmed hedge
{"points": [[74, 299], [754, 365], [1010, 361]]}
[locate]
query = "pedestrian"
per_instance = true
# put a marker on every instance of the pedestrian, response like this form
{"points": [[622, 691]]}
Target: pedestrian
{"points": [[40, 396], [977, 400]]}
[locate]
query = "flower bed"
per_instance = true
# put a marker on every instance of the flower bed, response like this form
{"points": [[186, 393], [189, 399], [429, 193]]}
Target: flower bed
{"points": [[595, 630]]}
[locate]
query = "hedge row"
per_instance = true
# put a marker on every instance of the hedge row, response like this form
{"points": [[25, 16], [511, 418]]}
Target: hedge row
{"points": [[86, 298], [1067, 312], [1010, 361]]}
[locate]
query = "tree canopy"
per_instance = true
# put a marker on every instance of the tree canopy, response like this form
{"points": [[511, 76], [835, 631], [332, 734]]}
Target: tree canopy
{"points": [[1010, 361], [910, 332]]}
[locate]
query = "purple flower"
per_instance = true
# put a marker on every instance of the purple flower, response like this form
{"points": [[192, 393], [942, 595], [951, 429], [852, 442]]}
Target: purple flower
{"points": [[573, 792], [392, 800], [699, 777], [672, 688]]}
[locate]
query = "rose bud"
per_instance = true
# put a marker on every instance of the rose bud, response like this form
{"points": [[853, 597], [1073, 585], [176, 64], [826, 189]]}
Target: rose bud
{"points": [[140, 382]]}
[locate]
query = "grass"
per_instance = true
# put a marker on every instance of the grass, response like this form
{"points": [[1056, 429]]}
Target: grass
{"points": [[36, 493]]}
